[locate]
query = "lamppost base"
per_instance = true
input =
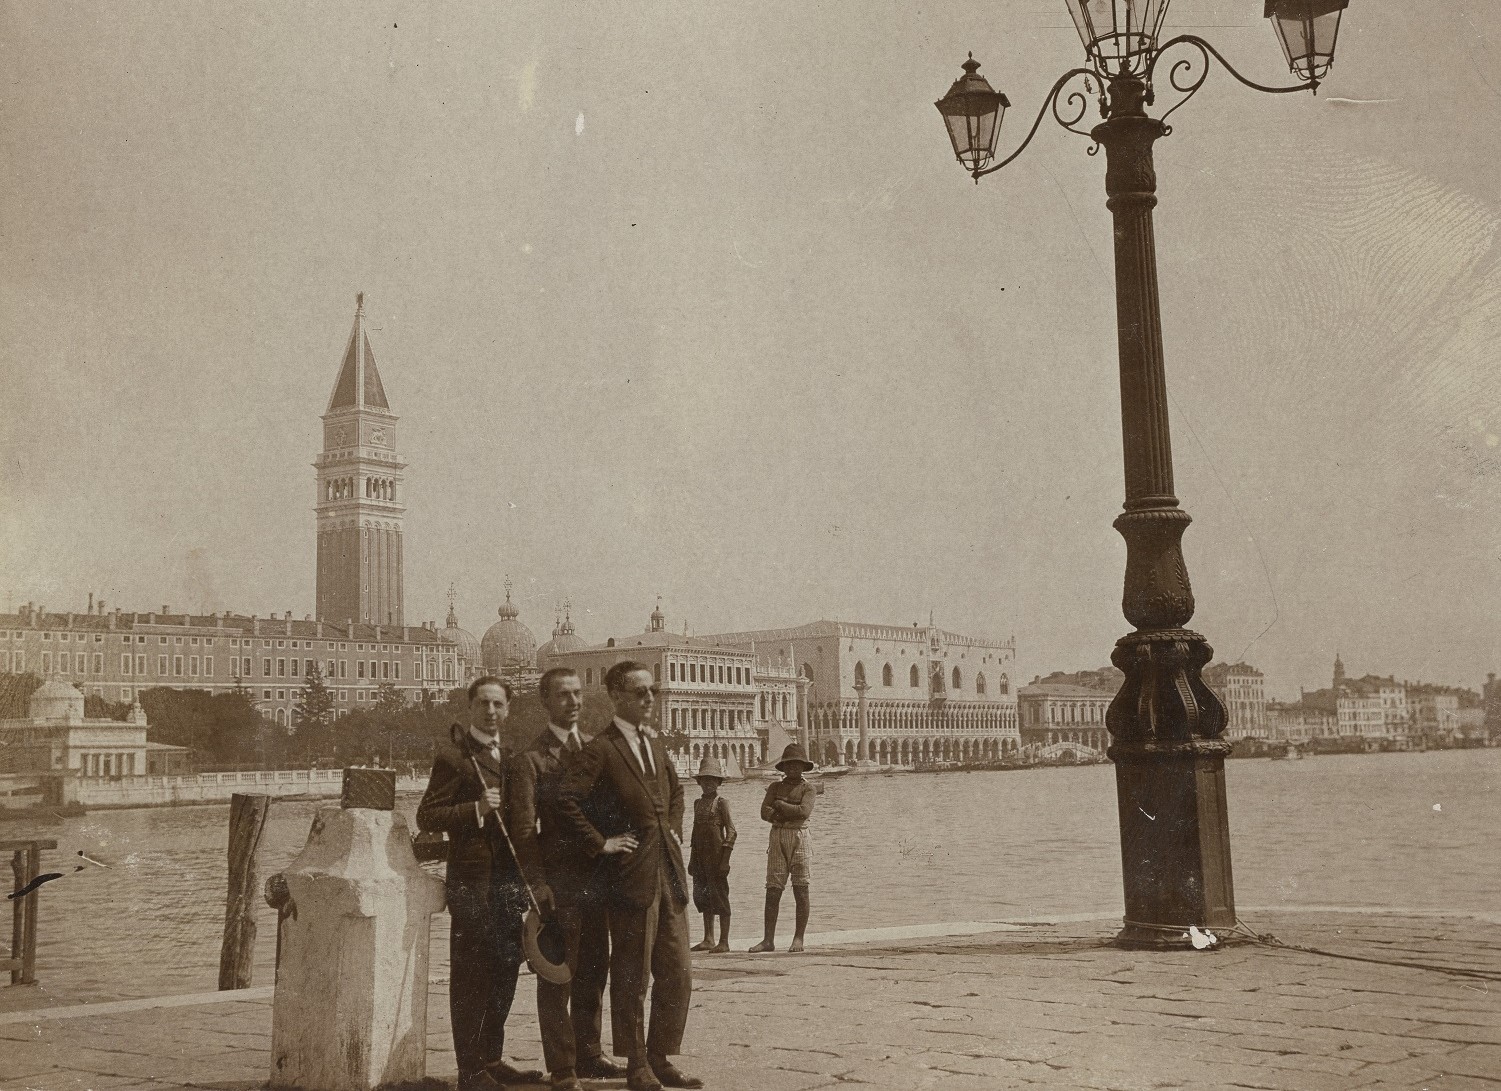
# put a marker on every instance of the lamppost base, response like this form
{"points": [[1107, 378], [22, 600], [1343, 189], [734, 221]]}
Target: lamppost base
{"points": [[1175, 841]]}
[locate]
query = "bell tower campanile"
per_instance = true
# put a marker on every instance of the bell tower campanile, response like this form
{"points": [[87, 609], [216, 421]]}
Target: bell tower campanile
{"points": [[360, 494]]}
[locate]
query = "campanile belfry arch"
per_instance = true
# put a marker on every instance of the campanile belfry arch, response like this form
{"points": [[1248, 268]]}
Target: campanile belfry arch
{"points": [[360, 494]]}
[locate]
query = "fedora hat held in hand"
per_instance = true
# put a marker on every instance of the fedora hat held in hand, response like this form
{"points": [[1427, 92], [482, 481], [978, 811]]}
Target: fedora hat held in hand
{"points": [[546, 948]]}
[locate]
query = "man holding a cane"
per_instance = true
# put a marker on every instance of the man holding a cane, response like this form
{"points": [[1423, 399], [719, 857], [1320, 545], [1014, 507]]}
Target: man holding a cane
{"points": [[470, 797]]}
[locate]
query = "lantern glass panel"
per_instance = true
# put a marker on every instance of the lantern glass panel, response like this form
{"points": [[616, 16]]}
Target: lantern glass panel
{"points": [[1308, 31], [972, 113], [1119, 36]]}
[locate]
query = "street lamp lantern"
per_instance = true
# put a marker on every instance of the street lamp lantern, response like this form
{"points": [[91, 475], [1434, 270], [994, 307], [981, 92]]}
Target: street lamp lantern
{"points": [[1166, 725], [1119, 36], [1307, 30], [972, 111]]}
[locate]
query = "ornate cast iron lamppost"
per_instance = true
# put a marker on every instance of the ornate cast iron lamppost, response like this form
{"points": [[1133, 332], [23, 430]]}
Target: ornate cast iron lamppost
{"points": [[1165, 723]]}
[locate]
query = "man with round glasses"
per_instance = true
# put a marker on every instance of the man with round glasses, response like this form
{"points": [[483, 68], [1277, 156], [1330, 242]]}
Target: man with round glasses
{"points": [[625, 804]]}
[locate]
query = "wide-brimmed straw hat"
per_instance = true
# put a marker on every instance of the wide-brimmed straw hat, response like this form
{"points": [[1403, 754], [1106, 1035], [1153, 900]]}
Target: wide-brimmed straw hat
{"points": [[710, 767], [794, 754], [546, 948]]}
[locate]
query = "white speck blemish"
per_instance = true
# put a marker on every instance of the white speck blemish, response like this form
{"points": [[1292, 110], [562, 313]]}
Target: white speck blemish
{"points": [[578, 125]]}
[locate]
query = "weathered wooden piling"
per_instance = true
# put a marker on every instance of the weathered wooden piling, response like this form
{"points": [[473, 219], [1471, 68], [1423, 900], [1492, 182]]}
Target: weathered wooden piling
{"points": [[247, 821]]}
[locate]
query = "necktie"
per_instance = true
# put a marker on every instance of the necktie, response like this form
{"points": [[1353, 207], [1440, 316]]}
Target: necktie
{"points": [[646, 765], [574, 746]]}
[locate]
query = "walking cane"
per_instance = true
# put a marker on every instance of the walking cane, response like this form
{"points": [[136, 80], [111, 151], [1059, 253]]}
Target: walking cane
{"points": [[554, 967], [507, 835]]}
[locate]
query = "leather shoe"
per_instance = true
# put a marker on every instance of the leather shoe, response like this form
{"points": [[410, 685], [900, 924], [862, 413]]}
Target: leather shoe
{"points": [[642, 1079], [599, 1067], [566, 1081], [669, 1076], [504, 1074]]}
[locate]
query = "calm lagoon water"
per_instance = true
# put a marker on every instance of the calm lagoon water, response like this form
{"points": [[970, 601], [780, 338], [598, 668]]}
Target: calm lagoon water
{"points": [[1413, 831]]}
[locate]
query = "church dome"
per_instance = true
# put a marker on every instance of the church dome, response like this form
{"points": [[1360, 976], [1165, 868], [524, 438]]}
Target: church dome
{"points": [[55, 700], [564, 640], [464, 642], [508, 644]]}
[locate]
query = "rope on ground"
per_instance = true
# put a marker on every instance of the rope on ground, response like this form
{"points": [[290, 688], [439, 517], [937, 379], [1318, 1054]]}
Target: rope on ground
{"points": [[1266, 939]]}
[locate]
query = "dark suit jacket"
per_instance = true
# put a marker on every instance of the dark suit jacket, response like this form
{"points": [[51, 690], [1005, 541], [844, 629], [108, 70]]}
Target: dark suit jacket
{"points": [[605, 794], [476, 854], [539, 779]]}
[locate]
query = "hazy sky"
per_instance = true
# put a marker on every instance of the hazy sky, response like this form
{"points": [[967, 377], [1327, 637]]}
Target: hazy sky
{"points": [[692, 300]]}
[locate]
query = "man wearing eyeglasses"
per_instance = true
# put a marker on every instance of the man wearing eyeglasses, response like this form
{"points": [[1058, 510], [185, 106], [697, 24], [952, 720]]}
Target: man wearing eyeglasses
{"points": [[624, 802]]}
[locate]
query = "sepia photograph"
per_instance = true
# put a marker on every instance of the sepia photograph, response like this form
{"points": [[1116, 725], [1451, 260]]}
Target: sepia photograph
{"points": [[493, 494]]}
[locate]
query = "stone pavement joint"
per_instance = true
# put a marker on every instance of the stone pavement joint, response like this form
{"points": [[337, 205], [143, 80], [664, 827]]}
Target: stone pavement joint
{"points": [[1049, 1005]]}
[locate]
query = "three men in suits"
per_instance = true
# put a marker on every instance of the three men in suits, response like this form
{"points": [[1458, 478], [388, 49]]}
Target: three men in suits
{"points": [[568, 1014], [471, 788], [625, 806]]}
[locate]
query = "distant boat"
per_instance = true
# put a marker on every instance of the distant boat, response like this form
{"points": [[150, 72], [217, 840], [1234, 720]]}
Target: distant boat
{"points": [[828, 773]]}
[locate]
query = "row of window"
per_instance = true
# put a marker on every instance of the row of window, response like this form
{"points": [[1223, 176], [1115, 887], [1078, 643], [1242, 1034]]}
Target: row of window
{"points": [[777, 700], [709, 719], [384, 669], [127, 693], [20, 634], [1066, 714], [192, 641], [726, 673], [107, 765], [914, 679], [194, 666], [248, 642], [343, 695]]}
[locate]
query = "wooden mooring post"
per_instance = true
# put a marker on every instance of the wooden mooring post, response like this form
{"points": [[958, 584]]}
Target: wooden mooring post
{"points": [[247, 821], [25, 865]]}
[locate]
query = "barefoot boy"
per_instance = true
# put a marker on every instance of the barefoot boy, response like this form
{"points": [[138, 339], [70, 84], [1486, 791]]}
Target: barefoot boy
{"points": [[788, 806], [709, 858]]}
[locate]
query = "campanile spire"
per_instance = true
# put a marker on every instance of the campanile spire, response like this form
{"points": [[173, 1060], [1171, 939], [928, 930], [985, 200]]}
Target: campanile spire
{"points": [[360, 494]]}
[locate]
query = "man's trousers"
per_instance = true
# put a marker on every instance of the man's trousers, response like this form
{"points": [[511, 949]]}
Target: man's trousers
{"points": [[649, 943], [484, 958], [569, 1015]]}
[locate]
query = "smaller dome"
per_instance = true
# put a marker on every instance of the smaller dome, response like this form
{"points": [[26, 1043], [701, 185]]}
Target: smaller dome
{"points": [[55, 700], [564, 640], [464, 642], [508, 644]]}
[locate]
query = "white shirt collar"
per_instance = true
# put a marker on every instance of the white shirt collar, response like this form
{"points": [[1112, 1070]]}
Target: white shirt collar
{"points": [[487, 741], [562, 733], [633, 733]]}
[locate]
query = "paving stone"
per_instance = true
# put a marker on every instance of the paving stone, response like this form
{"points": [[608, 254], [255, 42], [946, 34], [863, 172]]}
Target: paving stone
{"points": [[1475, 1060]]}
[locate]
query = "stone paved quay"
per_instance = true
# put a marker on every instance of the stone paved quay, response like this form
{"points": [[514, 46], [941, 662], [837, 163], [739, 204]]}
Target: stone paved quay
{"points": [[1029, 1005]]}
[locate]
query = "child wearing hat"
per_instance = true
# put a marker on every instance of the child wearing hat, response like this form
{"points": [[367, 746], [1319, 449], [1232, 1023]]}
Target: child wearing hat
{"points": [[788, 806], [709, 855]]}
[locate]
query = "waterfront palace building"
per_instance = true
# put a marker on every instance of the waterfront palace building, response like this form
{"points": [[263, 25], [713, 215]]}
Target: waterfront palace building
{"points": [[1064, 720], [728, 702], [894, 695]]}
